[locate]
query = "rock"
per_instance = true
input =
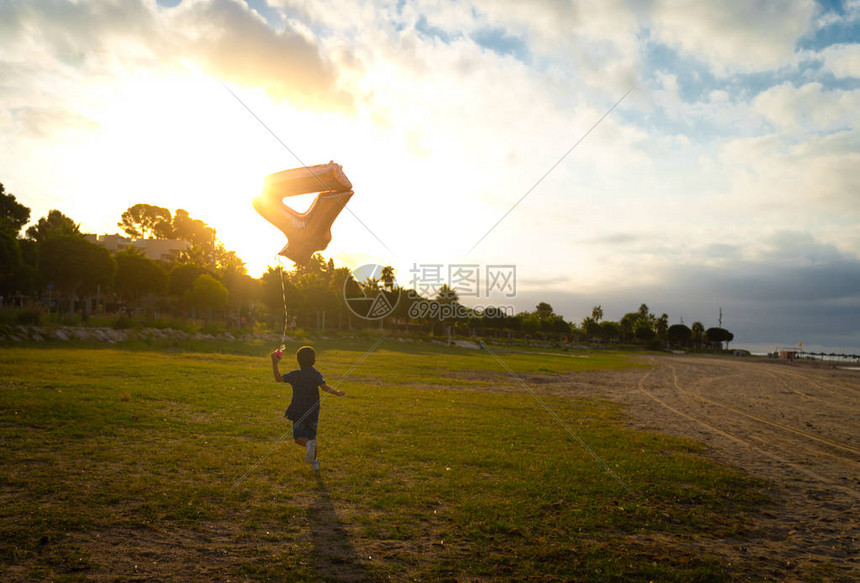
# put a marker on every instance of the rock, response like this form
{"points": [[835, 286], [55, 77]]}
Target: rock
{"points": [[467, 344]]}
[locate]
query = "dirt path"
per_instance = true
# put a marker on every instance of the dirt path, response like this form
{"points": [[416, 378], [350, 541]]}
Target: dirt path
{"points": [[795, 426]]}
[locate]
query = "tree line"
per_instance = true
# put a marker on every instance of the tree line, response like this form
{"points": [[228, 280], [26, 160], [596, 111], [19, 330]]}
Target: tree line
{"points": [[53, 262], [53, 259]]}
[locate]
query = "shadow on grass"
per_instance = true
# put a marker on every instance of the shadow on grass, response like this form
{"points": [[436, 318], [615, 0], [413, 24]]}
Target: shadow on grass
{"points": [[334, 557]]}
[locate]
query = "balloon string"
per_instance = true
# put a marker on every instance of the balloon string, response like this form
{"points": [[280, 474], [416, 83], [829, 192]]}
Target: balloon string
{"points": [[284, 296]]}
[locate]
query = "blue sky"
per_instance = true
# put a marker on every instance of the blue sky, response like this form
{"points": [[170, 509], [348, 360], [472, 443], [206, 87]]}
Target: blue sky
{"points": [[726, 179]]}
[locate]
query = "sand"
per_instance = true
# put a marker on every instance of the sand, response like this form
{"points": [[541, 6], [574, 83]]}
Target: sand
{"points": [[796, 426]]}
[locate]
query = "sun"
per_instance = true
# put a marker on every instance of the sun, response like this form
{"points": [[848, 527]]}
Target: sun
{"points": [[180, 141], [183, 140]]}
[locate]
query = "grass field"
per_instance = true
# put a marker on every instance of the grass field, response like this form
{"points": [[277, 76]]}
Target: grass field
{"points": [[437, 465]]}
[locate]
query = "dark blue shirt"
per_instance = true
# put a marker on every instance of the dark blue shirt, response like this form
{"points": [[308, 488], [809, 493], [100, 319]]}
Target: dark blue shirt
{"points": [[306, 394]]}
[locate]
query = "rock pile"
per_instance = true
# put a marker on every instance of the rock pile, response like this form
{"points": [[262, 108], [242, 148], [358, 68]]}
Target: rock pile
{"points": [[112, 336]]}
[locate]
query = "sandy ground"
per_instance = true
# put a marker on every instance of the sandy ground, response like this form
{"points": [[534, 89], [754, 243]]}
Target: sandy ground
{"points": [[796, 426]]}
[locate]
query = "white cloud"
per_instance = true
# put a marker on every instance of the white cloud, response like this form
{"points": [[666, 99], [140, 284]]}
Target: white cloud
{"points": [[229, 41], [842, 60], [222, 37], [51, 123], [850, 14], [748, 35], [444, 115], [811, 185], [809, 107]]}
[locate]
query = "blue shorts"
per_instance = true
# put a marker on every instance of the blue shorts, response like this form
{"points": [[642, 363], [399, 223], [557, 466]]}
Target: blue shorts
{"points": [[306, 429]]}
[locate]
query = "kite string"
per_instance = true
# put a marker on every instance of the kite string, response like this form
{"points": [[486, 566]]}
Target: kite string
{"points": [[554, 415]]}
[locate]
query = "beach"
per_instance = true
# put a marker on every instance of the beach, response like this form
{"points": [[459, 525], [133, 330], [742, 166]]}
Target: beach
{"points": [[794, 425]]}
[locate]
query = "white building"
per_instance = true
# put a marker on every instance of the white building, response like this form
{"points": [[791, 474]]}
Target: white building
{"points": [[163, 249]]}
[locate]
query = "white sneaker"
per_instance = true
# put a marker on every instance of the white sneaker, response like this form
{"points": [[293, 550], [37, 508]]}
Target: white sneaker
{"points": [[315, 465], [311, 451]]}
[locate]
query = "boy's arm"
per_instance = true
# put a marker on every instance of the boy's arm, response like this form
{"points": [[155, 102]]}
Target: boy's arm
{"points": [[275, 359], [328, 389]]}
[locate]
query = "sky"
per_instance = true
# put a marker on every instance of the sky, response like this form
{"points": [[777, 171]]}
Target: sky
{"points": [[697, 157]]}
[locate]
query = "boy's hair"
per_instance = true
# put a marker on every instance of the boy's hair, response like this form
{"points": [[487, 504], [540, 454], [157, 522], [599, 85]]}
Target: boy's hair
{"points": [[306, 356]]}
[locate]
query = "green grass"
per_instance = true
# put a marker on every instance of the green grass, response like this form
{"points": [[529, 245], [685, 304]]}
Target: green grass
{"points": [[435, 465]]}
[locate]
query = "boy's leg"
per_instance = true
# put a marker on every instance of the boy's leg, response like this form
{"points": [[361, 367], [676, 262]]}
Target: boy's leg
{"points": [[314, 463], [311, 451], [304, 435]]}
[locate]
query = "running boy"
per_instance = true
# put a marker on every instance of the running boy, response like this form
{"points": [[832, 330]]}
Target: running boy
{"points": [[304, 409]]}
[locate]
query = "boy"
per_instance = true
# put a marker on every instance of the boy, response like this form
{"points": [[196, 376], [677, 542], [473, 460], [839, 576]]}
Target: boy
{"points": [[304, 409]]}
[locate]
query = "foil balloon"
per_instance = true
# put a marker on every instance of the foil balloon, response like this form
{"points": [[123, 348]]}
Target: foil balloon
{"points": [[310, 231]]}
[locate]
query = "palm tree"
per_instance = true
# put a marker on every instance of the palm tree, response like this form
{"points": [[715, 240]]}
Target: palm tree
{"points": [[387, 277], [661, 324], [446, 294], [698, 331]]}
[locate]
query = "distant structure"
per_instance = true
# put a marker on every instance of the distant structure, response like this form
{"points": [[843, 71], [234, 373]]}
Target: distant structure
{"points": [[155, 249]]}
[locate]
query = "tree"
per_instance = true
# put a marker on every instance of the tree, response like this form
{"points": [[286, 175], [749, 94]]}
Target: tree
{"points": [[628, 323], [205, 251], [697, 333], [446, 295], [597, 313], [319, 300], [591, 327], [137, 276], [56, 224], [27, 279], [208, 294], [277, 289], [342, 282], [242, 289], [145, 221], [387, 277], [678, 335], [544, 311], [718, 335], [661, 324], [181, 278], [448, 301], [530, 323], [559, 326], [195, 231], [643, 330], [610, 331], [10, 260], [225, 261], [74, 265], [13, 215]]}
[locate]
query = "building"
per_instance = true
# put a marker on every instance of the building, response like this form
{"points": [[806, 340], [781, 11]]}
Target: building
{"points": [[155, 249]]}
